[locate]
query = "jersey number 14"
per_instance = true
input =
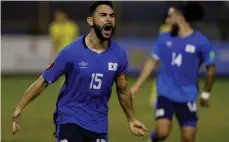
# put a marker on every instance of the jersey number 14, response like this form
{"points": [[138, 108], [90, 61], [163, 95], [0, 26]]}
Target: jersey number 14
{"points": [[176, 59], [96, 81]]}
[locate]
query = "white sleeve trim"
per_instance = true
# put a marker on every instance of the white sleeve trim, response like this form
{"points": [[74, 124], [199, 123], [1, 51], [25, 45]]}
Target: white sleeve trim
{"points": [[156, 57]]}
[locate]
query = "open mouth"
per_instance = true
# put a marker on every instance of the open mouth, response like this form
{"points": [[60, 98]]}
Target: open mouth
{"points": [[108, 30]]}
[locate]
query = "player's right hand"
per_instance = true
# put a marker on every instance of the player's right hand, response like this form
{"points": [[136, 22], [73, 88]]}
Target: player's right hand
{"points": [[204, 99], [16, 119]]}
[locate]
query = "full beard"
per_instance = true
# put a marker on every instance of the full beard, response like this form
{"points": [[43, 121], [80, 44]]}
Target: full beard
{"points": [[98, 31], [174, 30]]}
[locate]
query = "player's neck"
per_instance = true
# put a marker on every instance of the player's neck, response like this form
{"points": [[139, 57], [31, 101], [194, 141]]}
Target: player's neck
{"points": [[185, 30], [94, 42]]}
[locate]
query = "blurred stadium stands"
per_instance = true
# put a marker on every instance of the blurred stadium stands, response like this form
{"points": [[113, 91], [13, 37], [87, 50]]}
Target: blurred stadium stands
{"points": [[25, 28]]}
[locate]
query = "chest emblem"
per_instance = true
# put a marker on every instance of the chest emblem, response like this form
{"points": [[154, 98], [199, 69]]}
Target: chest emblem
{"points": [[112, 66], [190, 48]]}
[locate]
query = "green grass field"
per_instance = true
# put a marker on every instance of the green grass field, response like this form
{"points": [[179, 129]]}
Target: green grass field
{"points": [[37, 124]]}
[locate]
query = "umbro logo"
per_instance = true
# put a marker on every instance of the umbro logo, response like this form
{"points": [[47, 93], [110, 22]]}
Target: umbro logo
{"points": [[169, 43], [83, 65]]}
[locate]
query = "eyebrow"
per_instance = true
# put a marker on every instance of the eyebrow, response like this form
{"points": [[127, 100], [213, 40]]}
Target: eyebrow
{"points": [[103, 13]]}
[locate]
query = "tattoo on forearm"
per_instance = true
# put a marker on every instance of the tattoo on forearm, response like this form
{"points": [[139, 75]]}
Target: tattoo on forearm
{"points": [[125, 99], [124, 89]]}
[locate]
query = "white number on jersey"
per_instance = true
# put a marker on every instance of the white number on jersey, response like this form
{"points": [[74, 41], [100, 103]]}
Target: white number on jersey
{"points": [[100, 140], [96, 77], [192, 106], [176, 59]]}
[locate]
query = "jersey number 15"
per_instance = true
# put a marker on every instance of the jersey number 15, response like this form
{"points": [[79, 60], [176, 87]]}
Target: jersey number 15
{"points": [[96, 78]]}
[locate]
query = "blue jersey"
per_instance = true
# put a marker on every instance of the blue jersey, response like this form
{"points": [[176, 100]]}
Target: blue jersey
{"points": [[180, 62], [83, 98]]}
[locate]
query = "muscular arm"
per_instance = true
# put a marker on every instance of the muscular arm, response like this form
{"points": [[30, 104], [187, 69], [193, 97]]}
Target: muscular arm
{"points": [[32, 92], [149, 66], [125, 97], [210, 78]]}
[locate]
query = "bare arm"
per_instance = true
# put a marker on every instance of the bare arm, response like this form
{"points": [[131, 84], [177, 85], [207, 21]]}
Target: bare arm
{"points": [[32, 92], [208, 86], [210, 78], [125, 97], [149, 66]]}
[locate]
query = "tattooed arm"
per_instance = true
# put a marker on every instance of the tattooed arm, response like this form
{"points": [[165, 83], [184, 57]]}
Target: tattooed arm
{"points": [[125, 99], [209, 59], [208, 86], [210, 78]]}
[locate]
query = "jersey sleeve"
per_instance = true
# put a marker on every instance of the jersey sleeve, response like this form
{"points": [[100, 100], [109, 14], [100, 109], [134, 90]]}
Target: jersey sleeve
{"points": [[123, 64], [207, 53], [56, 68], [156, 53]]}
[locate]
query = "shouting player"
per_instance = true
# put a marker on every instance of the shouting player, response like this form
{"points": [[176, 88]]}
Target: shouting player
{"points": [[91, 65], [180, 54]]}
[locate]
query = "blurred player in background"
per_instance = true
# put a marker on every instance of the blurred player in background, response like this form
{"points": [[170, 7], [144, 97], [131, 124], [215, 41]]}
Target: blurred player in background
{"points": [[180, 54], [62, 31], [91, 65], [165, 27]]}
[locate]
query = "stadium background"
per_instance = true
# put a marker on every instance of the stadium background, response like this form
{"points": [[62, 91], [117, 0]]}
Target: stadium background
{"points": [[26, 50]]}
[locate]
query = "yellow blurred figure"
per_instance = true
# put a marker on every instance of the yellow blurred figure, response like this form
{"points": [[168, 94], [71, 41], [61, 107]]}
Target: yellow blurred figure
{"points": [[165, 28], [153, 96], [62, 32]]}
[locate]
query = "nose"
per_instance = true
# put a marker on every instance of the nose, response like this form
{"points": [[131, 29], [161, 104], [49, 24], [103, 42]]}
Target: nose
{"points": [[108, 19]]}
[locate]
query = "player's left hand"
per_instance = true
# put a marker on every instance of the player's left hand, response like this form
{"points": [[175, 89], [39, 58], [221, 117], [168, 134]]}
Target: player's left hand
{"points": [[137, 128], [204, 103], [204, 100]]}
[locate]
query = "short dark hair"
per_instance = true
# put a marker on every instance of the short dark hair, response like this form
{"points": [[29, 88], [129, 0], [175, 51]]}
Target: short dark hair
{"points": [[192, 11], [96, 4]]}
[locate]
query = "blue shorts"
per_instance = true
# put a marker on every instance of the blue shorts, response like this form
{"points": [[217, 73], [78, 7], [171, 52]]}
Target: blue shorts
{"points": [[73, 133], [186, 113]]}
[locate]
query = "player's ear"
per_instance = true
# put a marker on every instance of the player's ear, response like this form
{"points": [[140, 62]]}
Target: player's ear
{"points": [[90, 21]]}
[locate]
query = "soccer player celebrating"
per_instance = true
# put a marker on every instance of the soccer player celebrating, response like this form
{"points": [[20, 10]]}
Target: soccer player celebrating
{"points": [[180, 54], [91, 65], [165, 27]]}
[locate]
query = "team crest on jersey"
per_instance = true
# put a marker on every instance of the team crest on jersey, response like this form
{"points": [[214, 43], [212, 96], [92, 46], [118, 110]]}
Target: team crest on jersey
{"points": [[190, 48], [112, 66], [50, 66]]}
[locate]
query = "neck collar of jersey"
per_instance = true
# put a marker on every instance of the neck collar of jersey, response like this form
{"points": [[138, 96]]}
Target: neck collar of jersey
{"points": [[85, 45]]}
